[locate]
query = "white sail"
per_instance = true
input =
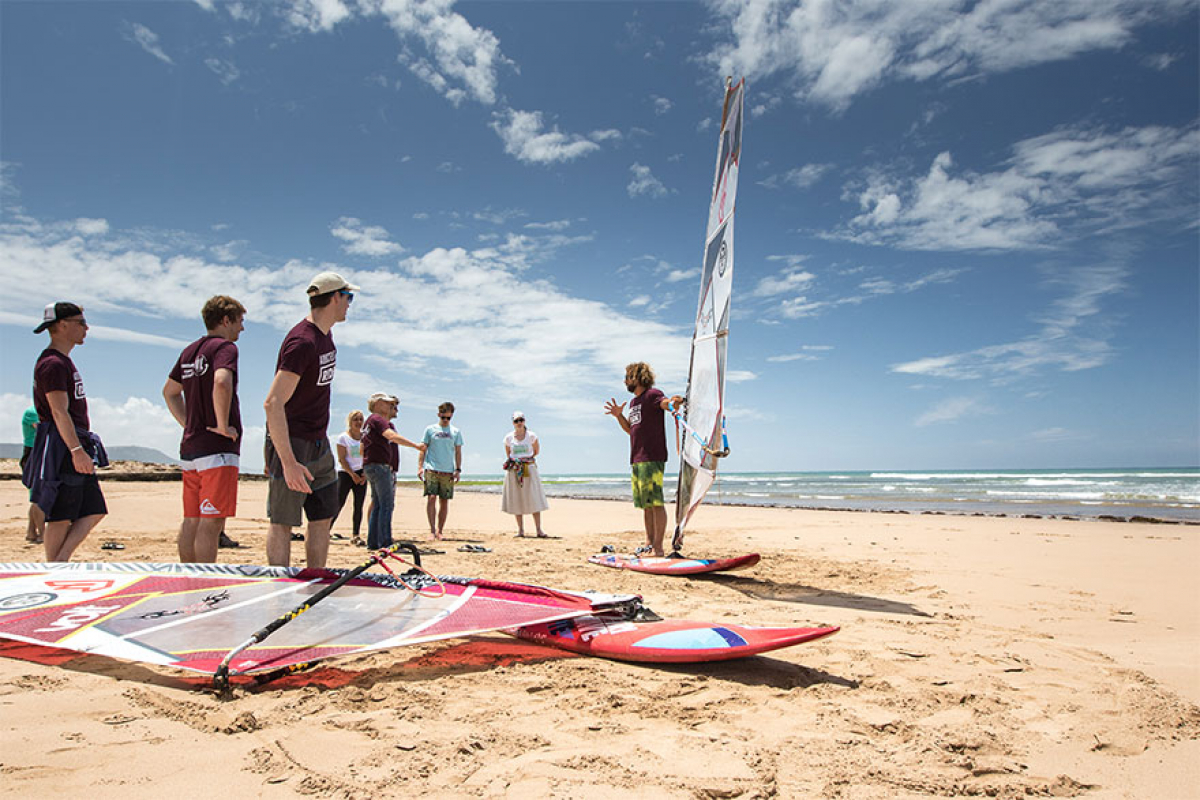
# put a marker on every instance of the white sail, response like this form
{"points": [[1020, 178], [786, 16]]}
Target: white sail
{"points": [[704, 418]]}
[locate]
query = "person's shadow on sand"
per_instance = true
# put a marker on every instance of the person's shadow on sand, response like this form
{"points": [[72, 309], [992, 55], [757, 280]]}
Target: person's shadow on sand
{"points": [[811, 595]]}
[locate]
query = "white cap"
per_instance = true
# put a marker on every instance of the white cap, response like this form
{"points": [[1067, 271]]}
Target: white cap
{"points": [[518, 415], [326, 282], [375, 398]]}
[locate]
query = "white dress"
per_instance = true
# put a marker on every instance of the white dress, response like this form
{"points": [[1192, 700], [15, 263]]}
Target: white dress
{"points": [[523, 495]]}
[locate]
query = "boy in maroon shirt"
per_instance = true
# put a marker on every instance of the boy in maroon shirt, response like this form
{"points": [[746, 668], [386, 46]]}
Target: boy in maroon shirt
{"points": [[201, 393], [61, 402], [297, 453], [647, 448]]}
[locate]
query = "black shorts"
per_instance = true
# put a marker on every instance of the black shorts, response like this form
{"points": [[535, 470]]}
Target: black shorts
{"points": [[25, 456], [75, 502]]}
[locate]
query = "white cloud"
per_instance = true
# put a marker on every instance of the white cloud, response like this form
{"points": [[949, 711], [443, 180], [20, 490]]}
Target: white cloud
{"points": [[835, 51], [677, 275], [1073, 335], [553, 225], [91, 227], [799, 178], [661, 104], [148, 40], [317, 15], [500, 217], [740, 375], [463, 60], [643, 182], [808, 352], [1057, 186], [364, 240], [404, 313], [789, 280], [226, 71], [524, 139], [952, 409]]}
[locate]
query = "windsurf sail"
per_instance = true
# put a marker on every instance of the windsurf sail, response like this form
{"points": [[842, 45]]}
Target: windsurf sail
{"points": [[703, 419], [192, 616]]}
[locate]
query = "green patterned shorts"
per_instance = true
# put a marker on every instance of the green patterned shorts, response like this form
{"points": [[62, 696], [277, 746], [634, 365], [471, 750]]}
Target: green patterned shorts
{"points": [[439, 484], [648, 483]]}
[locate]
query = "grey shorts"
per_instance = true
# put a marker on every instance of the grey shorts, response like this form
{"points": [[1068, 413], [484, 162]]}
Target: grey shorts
{"points": [[283, 504]]}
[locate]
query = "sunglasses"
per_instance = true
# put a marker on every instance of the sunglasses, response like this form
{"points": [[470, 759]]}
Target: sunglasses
{"points": [[519, 419], [445, 416], [349, 296]]}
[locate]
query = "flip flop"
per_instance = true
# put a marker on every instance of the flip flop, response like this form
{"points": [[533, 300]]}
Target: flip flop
{"points": [[112, 546], [474, 548], [544, 536]]}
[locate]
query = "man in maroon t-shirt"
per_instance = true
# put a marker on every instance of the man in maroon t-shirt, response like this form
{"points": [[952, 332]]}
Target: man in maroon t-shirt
{"points": [[381, 460], [201, 393], [61, 402], [647, 449], [297, 453]]}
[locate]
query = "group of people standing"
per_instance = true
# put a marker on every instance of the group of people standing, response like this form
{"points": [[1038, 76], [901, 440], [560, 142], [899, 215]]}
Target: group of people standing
{"points": [[306, 480], [368, 453], [201, 393]]}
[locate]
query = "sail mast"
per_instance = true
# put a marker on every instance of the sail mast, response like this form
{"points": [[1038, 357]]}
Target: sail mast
{"points": [[704, 417]]}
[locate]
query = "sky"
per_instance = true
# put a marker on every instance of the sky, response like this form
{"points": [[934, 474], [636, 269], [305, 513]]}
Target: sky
{"points": [[966, 232]]}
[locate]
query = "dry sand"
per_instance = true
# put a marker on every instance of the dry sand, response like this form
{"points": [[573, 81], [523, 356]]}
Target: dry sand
{"points": [[979, 656]]}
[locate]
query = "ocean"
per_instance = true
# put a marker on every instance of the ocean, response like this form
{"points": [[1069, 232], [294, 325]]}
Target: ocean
{"points": [[1171, 494]]}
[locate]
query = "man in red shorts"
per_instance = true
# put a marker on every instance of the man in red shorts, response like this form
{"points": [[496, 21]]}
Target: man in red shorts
{"points": [[201, 393], [299, 459]]}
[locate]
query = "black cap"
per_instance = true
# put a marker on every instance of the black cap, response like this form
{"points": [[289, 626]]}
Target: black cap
{"points": [[57, 311]]}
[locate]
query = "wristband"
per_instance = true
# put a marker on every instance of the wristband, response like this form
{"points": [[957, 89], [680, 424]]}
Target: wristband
{"points": [[73, 449]]}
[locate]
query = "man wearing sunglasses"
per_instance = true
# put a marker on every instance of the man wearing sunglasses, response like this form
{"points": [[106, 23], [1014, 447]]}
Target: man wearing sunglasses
{"points": [[297, 453], [61, 471], [441, 468]]}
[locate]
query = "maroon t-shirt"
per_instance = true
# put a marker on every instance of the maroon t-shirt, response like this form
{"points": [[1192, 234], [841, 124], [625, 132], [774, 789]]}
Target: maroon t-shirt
{"points": [[55, 372], [647, 436], [196, 369], [376, 449], [312, 355]]}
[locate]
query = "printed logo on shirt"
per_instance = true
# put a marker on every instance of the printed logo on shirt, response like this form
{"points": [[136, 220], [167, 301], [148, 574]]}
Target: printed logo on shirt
{"points": [[194, 369], [79, 395], [635, 414], [328, 362]]}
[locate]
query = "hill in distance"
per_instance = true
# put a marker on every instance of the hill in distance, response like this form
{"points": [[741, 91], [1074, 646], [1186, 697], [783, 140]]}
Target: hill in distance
{"points": [[129, 452]]}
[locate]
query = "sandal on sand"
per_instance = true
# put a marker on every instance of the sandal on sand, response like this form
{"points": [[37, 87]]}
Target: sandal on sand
{"points": [[357, 542], [337, 536], [520, 536], [543, 535], [112, 546], [474, 548]]}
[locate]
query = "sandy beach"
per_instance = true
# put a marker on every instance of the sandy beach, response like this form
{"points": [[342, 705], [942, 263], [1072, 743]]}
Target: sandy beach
{"points": [[978, 656]]}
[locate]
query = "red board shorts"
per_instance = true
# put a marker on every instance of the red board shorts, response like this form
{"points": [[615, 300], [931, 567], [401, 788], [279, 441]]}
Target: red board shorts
{"points": [[210, 486]]}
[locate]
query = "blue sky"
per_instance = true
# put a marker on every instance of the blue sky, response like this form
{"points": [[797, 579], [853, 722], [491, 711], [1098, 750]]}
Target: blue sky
{"points": [[966, 232]]}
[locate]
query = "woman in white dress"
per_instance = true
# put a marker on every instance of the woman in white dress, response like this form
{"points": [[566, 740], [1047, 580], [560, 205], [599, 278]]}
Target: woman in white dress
{"points": [[522, 487]]}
